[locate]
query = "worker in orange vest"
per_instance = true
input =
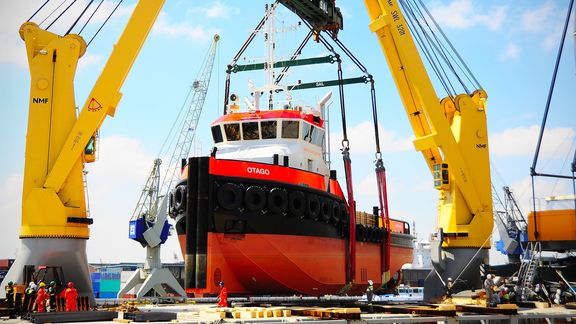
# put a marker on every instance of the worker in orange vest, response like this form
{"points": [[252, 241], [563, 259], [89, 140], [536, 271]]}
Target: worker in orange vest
{"points": [[71, 295], [223, 296], [41, 298]]}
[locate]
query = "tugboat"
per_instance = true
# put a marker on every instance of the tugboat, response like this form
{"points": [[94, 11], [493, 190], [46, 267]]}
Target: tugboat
{"points": [[265, 214]]}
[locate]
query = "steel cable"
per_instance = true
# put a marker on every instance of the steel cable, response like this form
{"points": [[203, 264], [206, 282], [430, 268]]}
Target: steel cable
{"points": [[104, 23], [60, 15], [80, 16], [90, 18], [42, 6], [51, 13]]}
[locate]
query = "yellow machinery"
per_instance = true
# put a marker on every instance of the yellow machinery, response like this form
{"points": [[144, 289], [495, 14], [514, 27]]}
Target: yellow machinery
{"points": [[54, 217], [451, 134]]}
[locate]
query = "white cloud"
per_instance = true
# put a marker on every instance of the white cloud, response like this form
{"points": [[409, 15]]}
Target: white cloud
{"points": [[534, 20], [215, 9], [512, 52], [180, 29], [547, 20], [462, 14], [88, 60], [544, 187], [115, 182], [521, 141], [362, 139], [11, 211], [14, 13]]}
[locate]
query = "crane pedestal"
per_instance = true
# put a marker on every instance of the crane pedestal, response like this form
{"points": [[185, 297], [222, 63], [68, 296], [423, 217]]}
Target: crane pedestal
{"points": [[460, 264], [70, 254], [152, 276]]}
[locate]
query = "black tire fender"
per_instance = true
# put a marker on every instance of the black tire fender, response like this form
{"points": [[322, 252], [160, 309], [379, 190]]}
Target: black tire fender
{"points": [[277, 201], [312, 206], [229, 196], [325, 210], [296, 204], [255, 198], [180, 198], [360, 233], [335, 212]]}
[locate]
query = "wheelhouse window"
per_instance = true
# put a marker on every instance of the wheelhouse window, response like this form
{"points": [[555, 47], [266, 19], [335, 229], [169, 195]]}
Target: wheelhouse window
{"points": [[307, 130], [312, 134], [232, 132], [217, 134], [250, 131], [268, 129], [290, 128], [317, 136]]}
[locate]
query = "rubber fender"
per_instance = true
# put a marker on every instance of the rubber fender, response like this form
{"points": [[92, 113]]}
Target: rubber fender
{"points": [[343, 230], [312, 206], [325, 210], [255, 198], [344, 217], [335, 212], [277, 201], [380, 237], [229, 196], [296, 204], [180, 198], [171, 209], [360, 233]]}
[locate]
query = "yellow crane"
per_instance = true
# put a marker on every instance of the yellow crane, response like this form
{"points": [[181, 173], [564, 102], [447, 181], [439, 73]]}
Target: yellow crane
{"points": [[451, 133], [54, 215]]}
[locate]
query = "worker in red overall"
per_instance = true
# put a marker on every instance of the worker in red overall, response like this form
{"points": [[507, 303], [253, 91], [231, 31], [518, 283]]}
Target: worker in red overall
{"points": [[223, 296], [71, 295], [41, 297]]}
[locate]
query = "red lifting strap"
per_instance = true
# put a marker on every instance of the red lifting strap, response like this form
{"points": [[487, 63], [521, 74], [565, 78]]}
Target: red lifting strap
{"points": [[384, 214]]}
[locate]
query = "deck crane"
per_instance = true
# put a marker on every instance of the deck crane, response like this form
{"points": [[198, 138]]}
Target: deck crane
{"points": [[149, 223], [55, 219], [451, 134]]}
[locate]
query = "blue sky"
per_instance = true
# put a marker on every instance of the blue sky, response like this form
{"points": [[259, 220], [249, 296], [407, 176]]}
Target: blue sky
{"points": [[510, 46]]}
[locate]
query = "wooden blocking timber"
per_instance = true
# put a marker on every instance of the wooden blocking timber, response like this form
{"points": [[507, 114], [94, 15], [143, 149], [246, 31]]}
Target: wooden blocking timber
{"points": [[212, 314]]}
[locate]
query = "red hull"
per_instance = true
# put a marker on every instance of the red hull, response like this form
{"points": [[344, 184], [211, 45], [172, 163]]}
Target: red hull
{"points": [[281, 264]]}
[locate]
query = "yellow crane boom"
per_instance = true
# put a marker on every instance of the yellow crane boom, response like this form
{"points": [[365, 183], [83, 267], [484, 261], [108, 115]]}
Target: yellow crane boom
{"points": [[451, 134], [54, 217]]}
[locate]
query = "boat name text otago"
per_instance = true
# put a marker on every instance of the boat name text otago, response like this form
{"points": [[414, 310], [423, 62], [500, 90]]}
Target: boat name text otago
{"points": [[258, 170]]}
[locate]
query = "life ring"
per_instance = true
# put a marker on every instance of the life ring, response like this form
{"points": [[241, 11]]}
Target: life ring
{"points": [[254, 198], [180, 198], [312, 206], [229, 196], [360, 233], [296, 204], [325, 210], [277, 200]]}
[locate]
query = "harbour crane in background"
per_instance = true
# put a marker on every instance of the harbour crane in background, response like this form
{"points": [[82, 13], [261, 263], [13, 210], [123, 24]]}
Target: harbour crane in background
{"points": [[149, 223], [55, 217]]}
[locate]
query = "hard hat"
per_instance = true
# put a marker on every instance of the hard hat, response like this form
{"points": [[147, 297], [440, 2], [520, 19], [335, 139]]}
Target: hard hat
{"points": [[489, 276], [52, 283], [42, 284], [10, 283], [70, 284], [449, 279], [370, 282], [221, 283]]}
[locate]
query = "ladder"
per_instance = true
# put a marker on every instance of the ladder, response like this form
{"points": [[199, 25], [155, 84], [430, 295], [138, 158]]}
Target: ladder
{"points": [[527, 271]]}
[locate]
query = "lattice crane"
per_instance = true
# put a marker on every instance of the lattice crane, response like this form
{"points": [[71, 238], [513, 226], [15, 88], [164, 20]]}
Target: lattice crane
{"points": [[149, 222]]}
